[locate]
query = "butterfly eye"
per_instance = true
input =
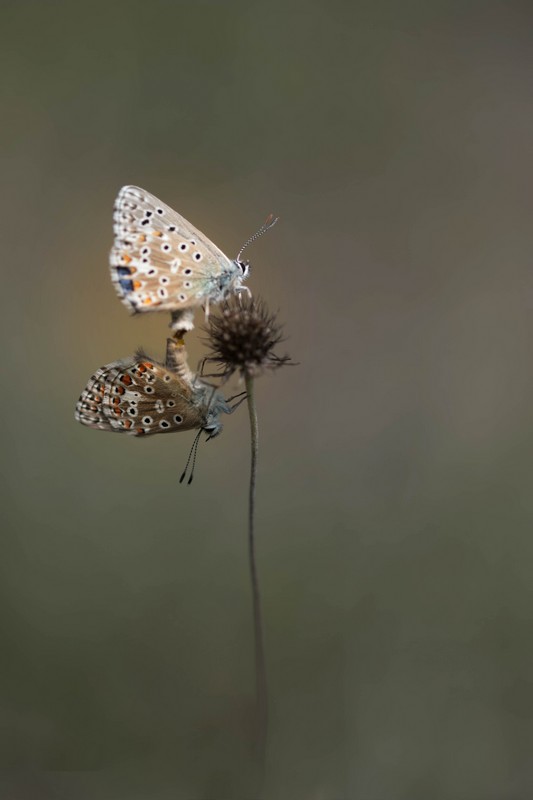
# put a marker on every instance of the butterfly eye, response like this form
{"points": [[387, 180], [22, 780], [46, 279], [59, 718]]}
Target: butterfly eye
{"points": [[245, 267]]}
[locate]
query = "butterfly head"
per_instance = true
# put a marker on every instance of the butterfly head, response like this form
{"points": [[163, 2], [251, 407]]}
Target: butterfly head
{"points": [[213, 429], [244, 267], [214, 405]]}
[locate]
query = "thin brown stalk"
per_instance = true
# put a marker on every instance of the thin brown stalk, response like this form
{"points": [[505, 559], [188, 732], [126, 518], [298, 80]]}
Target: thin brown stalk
{"points": [[261, 693]]}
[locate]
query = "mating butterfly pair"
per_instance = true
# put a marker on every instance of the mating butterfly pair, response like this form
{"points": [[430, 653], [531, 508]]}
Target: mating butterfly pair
{"points": [[160, 262]]}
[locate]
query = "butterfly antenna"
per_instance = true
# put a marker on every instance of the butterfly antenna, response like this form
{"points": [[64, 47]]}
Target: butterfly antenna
{"points": [[193, 446], [267, 224], [191, 476]]}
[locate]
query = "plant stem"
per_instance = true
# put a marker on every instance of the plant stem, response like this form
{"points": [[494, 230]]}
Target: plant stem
{"points": [[261, 695]]}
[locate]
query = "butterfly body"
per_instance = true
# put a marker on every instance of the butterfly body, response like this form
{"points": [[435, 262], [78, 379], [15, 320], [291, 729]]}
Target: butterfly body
{"points": [[160, 262], [140, 396]]}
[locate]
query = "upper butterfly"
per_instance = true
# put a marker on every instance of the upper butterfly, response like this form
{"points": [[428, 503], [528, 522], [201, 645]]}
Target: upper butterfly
{"points": [[160, 262]]}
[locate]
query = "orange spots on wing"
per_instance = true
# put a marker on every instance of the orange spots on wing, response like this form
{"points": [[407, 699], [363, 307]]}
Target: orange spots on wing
{"points": [[140, 431], [126, 258], [147, 301], [117, 411], [126, 379], [142, 237], [147, 365], [127, 423], [137, 284], [141, 368], [120, 390], [157, 233]]}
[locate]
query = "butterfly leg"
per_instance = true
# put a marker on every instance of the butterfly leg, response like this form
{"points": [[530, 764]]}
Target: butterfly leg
{"points": [[236, 405], [244, 289], [201, 374]]}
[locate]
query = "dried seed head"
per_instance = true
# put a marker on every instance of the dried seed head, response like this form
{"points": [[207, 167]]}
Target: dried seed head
{"points": [[242, 337]]}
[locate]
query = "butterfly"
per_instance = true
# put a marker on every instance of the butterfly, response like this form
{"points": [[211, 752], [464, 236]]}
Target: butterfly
{"points": [[161, 262], [139, 396]]}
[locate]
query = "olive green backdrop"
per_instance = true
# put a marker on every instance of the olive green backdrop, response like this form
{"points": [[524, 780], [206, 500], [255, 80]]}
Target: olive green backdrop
{"points": [[395, 511]]}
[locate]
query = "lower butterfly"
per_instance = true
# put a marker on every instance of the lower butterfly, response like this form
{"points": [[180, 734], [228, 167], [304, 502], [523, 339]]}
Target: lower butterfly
{"points": [[140, 396]]}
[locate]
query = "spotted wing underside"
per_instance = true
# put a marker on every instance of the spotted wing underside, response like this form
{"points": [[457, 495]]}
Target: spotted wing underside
{"points": [[159, 261], [139, 396]]}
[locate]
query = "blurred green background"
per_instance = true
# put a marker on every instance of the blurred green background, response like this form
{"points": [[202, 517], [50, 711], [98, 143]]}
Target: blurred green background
{"points": [[395, 508]]}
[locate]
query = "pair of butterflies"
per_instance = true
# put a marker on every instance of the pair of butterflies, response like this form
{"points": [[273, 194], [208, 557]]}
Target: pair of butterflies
{"points": [[160, 262]]}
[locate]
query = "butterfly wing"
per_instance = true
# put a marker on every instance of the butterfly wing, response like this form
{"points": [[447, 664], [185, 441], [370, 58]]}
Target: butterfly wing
{"points": [[159, 261], [90, 406], [139, 396]]}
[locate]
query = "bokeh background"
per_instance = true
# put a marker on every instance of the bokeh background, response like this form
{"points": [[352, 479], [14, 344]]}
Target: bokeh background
{"points": [[395, 508]]}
